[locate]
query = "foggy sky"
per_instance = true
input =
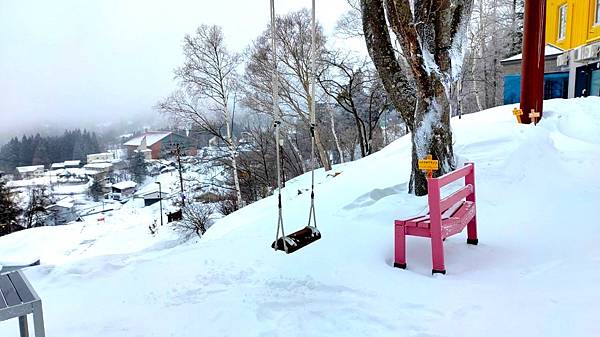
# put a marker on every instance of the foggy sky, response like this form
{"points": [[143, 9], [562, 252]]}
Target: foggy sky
{"points": [[79, 63]]}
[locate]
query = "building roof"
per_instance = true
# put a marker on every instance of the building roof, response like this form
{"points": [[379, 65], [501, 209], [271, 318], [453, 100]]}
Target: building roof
{"points": [[152, 137], [98, 165], [125, 185], [72, 162], [102, 154], [57, 165], [29, 169], [549, 50], [67, 202]]}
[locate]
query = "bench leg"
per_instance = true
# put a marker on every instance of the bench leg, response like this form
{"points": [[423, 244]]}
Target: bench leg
{"points": [[437, 255], [23, 328], [472, 231], [38, 320], [399, 247]]}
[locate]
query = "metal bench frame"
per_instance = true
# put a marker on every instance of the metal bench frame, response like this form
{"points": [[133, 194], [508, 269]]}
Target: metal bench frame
{"points": [[18, 299]]}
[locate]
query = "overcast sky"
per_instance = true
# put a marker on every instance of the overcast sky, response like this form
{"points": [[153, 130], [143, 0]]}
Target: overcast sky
{"points": [[85, 61]]}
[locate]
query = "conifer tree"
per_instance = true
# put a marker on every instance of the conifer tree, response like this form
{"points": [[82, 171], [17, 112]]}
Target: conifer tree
{"points": [[9, 210]]}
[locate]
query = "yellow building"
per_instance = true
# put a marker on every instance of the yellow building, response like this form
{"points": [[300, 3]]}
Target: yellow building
{"points": [[574, 26], [572, 23]]}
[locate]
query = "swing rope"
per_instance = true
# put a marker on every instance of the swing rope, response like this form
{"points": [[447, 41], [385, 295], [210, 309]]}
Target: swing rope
{"points": [[277, 125], [311, 212], [277, 118]]}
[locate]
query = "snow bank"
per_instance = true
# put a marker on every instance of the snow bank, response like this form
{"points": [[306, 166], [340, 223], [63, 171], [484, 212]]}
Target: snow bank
{"points": [[535, 272]]}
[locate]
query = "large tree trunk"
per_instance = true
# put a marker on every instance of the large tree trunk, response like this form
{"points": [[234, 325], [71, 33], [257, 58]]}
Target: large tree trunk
{"points": [[233, 154], [431, 135], [427, 32], [323, 156], [335, 137]]}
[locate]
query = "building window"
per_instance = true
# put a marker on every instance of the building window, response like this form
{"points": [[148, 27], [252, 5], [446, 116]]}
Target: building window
{"points": [[597, 21], [562, 22]]}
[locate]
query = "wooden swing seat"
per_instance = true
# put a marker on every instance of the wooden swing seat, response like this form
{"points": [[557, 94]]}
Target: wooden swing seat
{"points": [[297, 240]]}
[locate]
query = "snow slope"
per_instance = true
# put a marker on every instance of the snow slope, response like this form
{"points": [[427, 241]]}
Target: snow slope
{"points": [[535, 272]]}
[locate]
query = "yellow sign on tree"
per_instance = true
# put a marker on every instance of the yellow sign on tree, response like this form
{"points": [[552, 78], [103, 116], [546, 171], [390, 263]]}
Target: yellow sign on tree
{"points": [[428, 164]]}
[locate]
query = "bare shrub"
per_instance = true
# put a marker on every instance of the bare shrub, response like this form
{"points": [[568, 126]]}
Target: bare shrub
{"points": [[196, 220]]}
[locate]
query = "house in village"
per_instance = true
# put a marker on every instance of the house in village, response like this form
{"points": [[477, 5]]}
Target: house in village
{"points": [[572, 60], [57, 166], [97, 168], [72, 163], [105, 157], [123, 189], [29, 172], [150, 198], [62, 212], [74, 177], [159, 144]]}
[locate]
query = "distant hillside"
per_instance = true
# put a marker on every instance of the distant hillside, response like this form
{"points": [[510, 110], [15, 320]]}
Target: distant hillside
{"points": [[38, 150]]}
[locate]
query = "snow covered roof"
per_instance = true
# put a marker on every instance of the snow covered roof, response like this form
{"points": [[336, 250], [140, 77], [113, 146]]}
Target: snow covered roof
{"points": [[124, 185], [155, 195], [98, 165], [549, 50], [152, 138], [67, 202], [72, 162], [29, 169], [57, 165]]}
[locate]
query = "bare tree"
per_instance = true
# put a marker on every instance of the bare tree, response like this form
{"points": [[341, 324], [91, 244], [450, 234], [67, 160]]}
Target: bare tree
{"points": [[357, 89], [293, 56], [495, 33], [350, 23], [36, 213], [430, 34], [208, 79], [196, 220]]}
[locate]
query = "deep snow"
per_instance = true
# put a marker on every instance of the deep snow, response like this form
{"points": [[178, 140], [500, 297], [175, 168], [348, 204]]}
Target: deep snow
{"points": [[536, 271]]}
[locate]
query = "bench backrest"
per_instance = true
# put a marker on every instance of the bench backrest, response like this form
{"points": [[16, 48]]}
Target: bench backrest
{"points": [[437, 205]]}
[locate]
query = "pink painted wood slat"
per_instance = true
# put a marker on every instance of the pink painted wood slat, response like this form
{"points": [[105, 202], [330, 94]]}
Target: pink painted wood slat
{"points": [[456, 197], [454, 175]]}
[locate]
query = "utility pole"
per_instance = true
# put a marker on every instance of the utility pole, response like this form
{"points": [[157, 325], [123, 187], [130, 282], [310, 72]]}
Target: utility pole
{"points": [[160, 201], [177, 152]]}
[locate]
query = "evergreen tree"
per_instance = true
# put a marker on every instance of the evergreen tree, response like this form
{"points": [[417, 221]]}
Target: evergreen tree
{"points": [[138, 168], [40, 153], [9, 210], [96, 191]]}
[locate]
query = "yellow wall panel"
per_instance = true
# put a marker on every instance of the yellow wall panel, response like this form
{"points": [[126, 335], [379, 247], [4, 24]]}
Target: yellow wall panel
{"points": [[581, 28]]}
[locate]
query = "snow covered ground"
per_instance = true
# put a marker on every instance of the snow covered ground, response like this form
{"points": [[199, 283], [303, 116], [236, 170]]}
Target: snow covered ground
{"points": [[536, 271]]}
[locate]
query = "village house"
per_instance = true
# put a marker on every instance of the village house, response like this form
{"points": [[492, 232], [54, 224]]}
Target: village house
{"points": [[105, 157], [123, 189], [62, 212], [57, 166], [99, 167], [29, 172], [160, 143], [72, 163]]}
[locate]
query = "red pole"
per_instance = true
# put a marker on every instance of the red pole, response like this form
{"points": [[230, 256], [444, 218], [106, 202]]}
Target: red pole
{"points": [[532, 66]]}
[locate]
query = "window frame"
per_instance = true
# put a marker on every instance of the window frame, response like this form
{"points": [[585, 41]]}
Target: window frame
{"points": [[597, 13], [562, 29]]}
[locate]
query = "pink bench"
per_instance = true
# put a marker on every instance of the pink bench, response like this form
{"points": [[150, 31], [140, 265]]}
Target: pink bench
{"points": [[446, 217]]}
